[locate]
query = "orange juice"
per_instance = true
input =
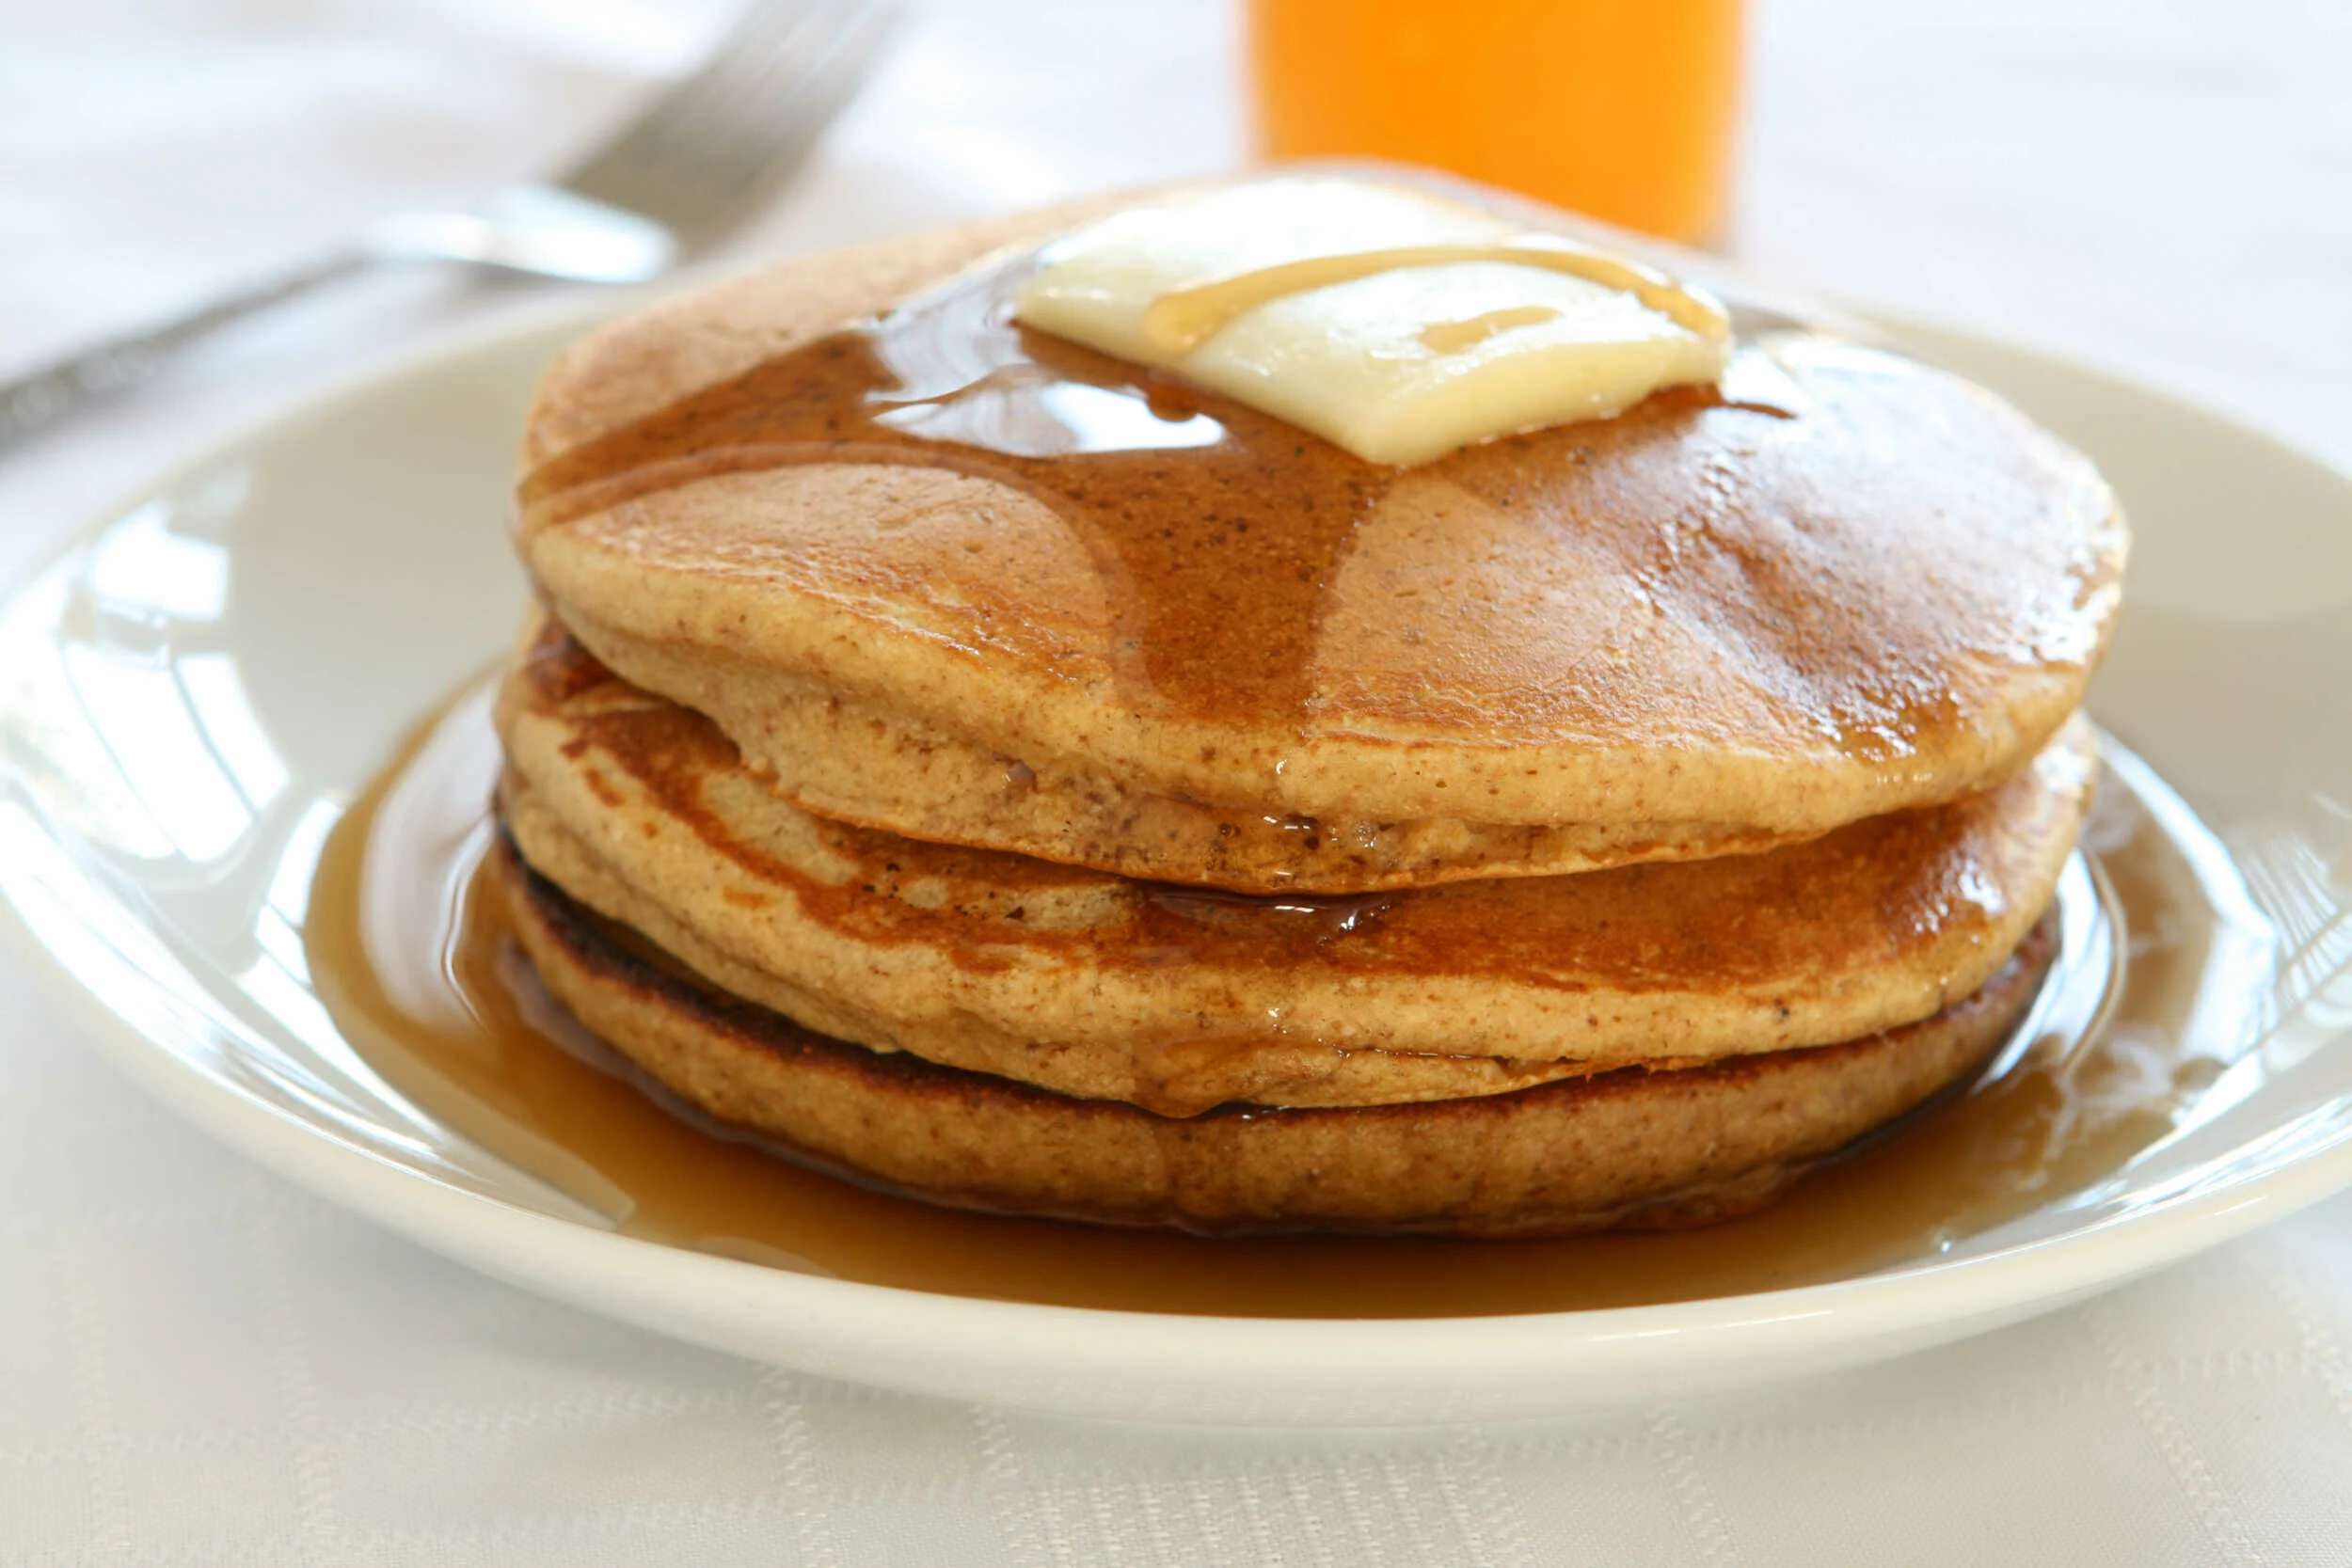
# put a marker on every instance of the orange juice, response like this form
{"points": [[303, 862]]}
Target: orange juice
{"points": [[1620, 108]]}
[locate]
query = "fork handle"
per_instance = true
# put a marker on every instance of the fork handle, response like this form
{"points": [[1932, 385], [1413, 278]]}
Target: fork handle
{"points": [[79, 380]]}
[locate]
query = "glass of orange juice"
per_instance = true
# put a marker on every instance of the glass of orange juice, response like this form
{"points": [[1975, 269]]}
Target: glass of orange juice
{"points": [[1624, 109]]}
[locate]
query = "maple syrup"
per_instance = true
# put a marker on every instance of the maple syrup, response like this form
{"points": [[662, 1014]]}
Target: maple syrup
{"points": [[410, 954], [1177, 493]]}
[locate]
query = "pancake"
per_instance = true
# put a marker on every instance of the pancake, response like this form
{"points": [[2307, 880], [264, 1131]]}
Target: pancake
{"points": [[940, 576], [1100, 987], [1626, 1148]]}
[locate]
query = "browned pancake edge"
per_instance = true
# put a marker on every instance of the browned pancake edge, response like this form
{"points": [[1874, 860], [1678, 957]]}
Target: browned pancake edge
{"points": [[1632, 1149]]}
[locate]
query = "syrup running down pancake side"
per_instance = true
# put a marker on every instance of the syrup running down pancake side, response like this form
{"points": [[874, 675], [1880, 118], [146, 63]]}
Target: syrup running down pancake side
{"points": [[410, 955], [1180, 1000]]}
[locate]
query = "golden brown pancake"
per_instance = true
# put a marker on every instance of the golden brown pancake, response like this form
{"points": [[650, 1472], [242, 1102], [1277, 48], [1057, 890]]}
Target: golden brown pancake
{"points": [[1097, 986], [1629, 1147], [940, 576]]}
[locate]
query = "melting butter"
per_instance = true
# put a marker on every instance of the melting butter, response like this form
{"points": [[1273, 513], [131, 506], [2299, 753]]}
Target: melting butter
{"points": [[1391, 322]]}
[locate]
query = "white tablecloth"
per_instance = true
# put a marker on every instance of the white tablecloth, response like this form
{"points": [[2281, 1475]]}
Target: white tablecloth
{"points": [[199, 1364]]}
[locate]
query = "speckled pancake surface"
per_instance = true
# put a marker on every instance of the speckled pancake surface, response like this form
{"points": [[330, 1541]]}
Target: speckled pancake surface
{"points": [[939, 575], [1627, 1148], [1098, 986]]}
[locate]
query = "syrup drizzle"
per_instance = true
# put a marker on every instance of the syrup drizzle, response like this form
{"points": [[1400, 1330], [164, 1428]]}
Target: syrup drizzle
{"points": [[1221, 534]]}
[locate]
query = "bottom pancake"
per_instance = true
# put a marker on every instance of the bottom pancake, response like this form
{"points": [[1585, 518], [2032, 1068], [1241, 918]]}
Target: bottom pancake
{"points": [[1630, 1148]]}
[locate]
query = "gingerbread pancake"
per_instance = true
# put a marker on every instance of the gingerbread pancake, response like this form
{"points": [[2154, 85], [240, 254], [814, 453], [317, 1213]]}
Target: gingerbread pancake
{"points": [[1100, 986], [1632, 1147], [940, 575]]}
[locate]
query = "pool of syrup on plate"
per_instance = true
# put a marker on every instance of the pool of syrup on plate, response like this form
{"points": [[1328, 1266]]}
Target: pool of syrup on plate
{"points": [[408, 951]]}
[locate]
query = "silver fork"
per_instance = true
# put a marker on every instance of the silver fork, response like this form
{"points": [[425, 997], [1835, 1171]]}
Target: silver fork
{"points": [[667, 184]]}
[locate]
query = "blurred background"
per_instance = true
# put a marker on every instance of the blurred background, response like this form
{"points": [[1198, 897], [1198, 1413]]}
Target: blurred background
{"points": [[2156, 187]]}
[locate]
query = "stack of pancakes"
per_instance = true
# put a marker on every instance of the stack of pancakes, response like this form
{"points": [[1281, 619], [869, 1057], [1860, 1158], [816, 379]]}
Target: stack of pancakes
{"points": [[1001, 774]]}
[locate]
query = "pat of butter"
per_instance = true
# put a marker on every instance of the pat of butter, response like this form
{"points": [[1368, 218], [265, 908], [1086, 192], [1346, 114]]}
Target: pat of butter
{"points": [[1396, 324]]}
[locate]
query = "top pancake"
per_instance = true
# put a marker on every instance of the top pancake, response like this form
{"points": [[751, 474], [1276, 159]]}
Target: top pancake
{"points": [[971, 584]]}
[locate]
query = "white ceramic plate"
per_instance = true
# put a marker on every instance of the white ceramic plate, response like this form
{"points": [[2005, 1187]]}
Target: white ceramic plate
{"points": [[192, 689]]}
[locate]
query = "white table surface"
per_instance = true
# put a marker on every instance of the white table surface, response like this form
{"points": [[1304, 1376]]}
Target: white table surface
{"points": [[199, 1364]]}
